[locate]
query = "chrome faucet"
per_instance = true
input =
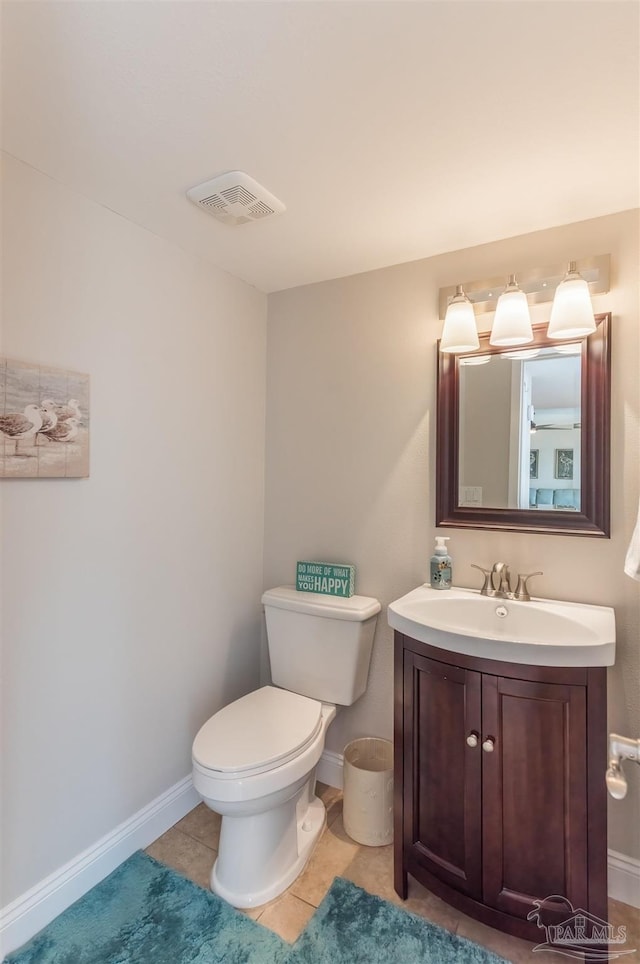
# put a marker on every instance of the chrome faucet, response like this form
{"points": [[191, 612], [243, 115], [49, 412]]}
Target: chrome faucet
{"points": [[501, 570], [501, 576]]}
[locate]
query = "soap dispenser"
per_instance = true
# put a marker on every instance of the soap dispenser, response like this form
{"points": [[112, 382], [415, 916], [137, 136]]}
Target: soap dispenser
{"points": [[440, 565]]}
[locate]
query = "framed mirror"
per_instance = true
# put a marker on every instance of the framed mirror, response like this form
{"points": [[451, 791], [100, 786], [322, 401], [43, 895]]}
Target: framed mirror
{"points": [[523, 435]]}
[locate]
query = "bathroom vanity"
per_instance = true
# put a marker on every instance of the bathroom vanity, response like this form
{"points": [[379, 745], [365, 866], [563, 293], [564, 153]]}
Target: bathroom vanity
{"points": [[500, 795]]}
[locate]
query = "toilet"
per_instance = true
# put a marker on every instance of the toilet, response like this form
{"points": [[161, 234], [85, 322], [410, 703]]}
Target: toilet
{"points": [[254, 761]]}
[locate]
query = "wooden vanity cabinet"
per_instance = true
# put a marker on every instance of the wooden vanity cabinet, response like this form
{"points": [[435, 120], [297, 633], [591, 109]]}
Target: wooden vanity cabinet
{"points": [[500, 795]]}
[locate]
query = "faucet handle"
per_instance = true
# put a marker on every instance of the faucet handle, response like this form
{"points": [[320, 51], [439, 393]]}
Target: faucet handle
{"points": [[487, 584], [522, 590]]}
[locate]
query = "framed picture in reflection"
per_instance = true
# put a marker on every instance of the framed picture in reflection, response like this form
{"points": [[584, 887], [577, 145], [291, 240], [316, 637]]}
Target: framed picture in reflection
{"points": [[564, 464], [533, 463]]}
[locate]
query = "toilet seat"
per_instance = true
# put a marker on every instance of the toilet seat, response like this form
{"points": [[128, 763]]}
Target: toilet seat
{"points": [[256, 733]]}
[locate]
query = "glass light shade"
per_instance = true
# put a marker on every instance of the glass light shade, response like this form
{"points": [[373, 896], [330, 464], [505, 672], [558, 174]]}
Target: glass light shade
{"points": [[459, 333], [476, 360], [512, 322], [520, 354], [572, 311]]}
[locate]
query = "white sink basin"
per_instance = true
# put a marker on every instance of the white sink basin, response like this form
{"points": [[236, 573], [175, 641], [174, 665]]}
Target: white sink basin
{"points": [[542, 632]]}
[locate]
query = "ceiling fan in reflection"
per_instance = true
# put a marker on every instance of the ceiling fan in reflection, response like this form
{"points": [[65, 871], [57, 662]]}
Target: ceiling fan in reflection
{"points": [[555, 428]]}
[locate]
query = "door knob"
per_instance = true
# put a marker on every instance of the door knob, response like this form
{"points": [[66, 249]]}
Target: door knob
{"points": [[488, 744], [472, 739]]}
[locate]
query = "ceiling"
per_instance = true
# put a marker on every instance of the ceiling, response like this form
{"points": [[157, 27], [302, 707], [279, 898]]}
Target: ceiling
{"points": [[392, 130], [555, 384]]}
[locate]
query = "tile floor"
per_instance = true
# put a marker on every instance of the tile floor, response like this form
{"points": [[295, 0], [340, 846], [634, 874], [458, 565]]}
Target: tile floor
{"points": [[190, 848]]}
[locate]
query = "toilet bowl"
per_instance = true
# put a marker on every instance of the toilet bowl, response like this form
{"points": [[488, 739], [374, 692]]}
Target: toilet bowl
{"points": [[254, 761]]}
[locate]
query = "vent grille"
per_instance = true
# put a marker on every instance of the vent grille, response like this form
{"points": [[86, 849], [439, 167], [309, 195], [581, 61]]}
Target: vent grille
{"points": [[261, 210], [235, 198], [238, 195], [215, 201]]}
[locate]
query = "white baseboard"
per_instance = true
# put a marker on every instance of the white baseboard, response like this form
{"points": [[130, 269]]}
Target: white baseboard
{"points": [[29, 913], [624, 878], [330, 769]]}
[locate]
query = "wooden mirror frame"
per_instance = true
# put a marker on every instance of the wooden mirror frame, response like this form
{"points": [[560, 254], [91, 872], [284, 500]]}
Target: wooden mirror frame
{"points": [[593, 517]]}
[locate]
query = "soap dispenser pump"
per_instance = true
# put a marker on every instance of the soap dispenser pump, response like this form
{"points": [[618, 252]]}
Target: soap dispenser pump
{"points": [[441, 565]]}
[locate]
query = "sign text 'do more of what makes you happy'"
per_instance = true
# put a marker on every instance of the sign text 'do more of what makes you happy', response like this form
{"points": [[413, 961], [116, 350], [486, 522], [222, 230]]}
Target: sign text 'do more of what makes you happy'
{"points": [[327, 578]]}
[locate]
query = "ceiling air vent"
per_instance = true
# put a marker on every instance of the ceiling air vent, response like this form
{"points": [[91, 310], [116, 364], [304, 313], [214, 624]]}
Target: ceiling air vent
{"points": [[235, 198]]}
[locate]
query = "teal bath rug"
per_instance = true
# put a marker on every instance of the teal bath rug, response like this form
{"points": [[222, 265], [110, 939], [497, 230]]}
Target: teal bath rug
{"points": [[145, 913], [353, 927]]}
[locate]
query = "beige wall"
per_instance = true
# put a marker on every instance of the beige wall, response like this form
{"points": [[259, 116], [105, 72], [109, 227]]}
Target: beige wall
{"points": [[485, 427], [351, 454], [131, 600]]}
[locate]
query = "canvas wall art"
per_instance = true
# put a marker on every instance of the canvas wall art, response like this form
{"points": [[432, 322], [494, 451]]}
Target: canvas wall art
{"points": [[44, 422], [564, 464]]}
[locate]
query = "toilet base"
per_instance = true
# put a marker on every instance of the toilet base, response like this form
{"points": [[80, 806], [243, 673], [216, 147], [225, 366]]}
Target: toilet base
{"points": [[242, 887]]}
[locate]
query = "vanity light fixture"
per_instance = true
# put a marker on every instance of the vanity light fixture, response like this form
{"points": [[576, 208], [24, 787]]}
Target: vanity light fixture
{"points": [[570, 290], [512, 321], [572, 311], [459, 333]]}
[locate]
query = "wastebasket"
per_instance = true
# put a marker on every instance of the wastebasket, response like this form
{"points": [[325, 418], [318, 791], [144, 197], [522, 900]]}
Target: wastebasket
{"points": [[368, 791]]}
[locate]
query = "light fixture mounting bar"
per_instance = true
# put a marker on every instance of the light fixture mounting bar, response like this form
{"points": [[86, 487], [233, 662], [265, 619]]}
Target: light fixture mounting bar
{"points": [[539, 284]]}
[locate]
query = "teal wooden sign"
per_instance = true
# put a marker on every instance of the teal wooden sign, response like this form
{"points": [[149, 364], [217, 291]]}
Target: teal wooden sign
{"points": [[327, 578]]}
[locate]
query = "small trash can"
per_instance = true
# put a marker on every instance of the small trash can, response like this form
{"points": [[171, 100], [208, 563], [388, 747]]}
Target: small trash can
{"points": [[368, 791]]}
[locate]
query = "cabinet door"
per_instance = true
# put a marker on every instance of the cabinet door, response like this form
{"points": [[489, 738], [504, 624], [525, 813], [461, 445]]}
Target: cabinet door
{"points": [[442, 773], [534, 793]]}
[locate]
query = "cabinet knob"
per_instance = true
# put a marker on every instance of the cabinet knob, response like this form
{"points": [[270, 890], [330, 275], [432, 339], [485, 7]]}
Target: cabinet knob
{"points": [[488, 744], [472, 739]]}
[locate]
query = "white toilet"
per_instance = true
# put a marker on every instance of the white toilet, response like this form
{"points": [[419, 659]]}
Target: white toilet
{"points": [[254, 761]]}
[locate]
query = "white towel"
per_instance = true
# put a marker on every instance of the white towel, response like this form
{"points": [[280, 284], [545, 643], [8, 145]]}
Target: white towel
{"points": [[632, 561]]}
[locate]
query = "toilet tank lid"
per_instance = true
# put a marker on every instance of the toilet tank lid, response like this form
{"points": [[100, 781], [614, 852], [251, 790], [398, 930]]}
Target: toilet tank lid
{"points": [[355, 608]]}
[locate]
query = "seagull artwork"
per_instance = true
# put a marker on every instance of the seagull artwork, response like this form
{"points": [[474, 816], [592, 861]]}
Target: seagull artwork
{"points": [[63, 431], [17, 426], [63, 412], [49, 417]]}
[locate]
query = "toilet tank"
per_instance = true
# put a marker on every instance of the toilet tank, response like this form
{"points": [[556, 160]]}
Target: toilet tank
{"points": [[320, 646]]}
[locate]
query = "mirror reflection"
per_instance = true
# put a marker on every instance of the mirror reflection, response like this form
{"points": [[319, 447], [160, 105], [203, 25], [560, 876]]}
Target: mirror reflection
{"points": [[520, 429]]}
